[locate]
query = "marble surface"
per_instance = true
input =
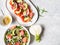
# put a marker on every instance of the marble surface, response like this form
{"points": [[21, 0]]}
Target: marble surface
{"points": [[50, 22]]}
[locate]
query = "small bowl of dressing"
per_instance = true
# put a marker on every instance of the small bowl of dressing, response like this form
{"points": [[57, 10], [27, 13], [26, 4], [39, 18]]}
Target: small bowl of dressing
{"points": [[6, 20]]}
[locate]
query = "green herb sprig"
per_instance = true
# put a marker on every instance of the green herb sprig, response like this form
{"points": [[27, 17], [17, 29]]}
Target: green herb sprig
{"points": [[41, 11]]}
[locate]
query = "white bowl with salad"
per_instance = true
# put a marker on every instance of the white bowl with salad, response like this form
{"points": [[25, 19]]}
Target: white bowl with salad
{"points": [[24, 11], [17, 35]]}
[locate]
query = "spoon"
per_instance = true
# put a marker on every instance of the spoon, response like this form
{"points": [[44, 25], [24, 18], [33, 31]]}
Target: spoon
{"points": [[3, 17], [2, 11]]}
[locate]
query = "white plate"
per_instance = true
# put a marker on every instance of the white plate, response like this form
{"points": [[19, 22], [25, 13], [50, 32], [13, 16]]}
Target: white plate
{"points": [[34, 19]]}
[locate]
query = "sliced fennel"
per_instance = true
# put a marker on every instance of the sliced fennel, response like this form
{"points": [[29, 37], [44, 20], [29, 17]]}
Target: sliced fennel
{"points": [[36, 31]]}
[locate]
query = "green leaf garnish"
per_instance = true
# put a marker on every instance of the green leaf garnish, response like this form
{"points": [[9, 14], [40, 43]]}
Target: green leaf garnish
{"points": [[37, 38], [19, 27], [41, 11]]}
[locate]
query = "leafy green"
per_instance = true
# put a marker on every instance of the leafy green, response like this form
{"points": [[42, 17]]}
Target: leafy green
{"points": [[26, 34], [5, 39], [41, 11], [15, 39], [19, 27], [37, 38], [9, 32]]}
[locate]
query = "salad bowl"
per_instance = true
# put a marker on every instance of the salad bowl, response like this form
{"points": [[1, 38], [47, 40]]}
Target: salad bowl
{"points": [[17, 35], [19, 20]]}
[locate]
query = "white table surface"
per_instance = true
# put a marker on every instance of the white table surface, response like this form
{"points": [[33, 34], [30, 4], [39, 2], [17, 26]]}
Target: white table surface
{"points": [[50, 22]]}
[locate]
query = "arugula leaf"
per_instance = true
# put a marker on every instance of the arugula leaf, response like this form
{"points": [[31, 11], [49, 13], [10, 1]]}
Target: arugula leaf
{"points": [[19, 27]]}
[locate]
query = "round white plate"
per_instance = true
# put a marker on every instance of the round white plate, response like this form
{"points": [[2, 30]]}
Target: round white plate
{"points": [[34, 19]]}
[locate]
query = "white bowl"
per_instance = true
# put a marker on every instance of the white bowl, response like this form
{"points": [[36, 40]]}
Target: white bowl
{"points": [[34, 19], [25, 30]]}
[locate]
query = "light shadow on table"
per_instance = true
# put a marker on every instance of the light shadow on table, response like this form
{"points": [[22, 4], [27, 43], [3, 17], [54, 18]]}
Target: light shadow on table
{"points": [[43, 29]]}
